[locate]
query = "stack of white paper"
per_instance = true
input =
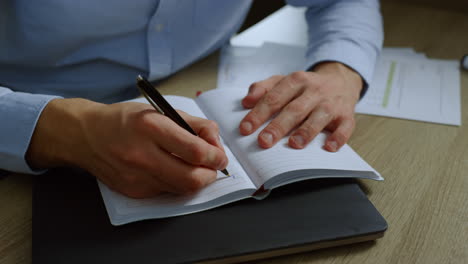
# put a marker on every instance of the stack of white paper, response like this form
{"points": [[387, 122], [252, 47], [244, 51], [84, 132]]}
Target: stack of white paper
{"points": [[406, 84]]}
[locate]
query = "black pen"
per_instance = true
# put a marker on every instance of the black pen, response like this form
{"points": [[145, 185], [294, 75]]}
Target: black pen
{"points": [[163, 107]]}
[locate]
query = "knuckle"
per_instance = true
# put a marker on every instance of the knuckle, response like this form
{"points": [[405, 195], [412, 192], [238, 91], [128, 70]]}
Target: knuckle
{"points": [[197, 153], [253, 118], [296, 107], [255, 86], [212, 125], [341, 137], [275, 129], [327, 107], [299, 76], [145, 121], [308, 131], [193, 184], [272, 99], [142, 118], [311, 94], [321, 85]]}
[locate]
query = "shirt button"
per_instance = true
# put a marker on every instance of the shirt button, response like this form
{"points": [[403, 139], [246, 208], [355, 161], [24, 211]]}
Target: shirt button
{"points": [[159, 27]]}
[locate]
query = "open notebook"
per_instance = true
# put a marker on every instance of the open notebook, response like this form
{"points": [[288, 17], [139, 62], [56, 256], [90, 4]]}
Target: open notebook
{"points": [[254, 171]]}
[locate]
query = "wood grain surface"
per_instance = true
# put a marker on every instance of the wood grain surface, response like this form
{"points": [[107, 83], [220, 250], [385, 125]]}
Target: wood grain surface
{"points": [[424, 196]]}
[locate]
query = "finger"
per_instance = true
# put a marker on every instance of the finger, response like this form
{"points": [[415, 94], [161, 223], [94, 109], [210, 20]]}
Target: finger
{"points": [[146, 187], [272, 102], [135, 184], [183, 177], [206, 129], [309, 129], [154, 170], [340, 135], [258, 89], [292, 115], [192, 149]]}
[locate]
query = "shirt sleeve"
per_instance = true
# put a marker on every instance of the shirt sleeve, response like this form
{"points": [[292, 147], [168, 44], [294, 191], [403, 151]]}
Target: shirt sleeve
{"points": [[346, 31], [19, 113]]}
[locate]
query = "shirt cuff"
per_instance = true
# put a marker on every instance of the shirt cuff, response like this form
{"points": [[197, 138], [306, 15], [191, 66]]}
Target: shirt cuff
{"points": [[357, 57], [19, 113]]}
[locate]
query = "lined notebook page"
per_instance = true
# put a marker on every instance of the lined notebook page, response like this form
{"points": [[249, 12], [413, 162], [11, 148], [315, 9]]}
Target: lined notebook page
{"points": [[224, 106], [123, 209]]}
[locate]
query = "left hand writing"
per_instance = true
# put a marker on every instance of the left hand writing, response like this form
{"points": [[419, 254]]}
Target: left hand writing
{"points": [[305, 103]]}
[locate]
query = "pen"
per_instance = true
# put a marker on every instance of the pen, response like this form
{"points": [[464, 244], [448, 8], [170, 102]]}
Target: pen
{"points": [[163, 107]]}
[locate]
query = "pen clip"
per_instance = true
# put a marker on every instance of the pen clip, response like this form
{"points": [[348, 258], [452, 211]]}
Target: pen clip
{"points": [[153, 103], [158, 101]]}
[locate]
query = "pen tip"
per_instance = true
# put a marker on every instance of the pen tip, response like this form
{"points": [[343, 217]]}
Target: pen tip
{"points": [[139, 78], [226, 172]]}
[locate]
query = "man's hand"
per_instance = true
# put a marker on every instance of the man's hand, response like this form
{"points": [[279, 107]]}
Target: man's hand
{"points": [[129, 146], [305, 103]]}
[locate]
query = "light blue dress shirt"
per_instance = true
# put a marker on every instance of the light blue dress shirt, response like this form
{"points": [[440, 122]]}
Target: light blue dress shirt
{"points": [[94, 49]]}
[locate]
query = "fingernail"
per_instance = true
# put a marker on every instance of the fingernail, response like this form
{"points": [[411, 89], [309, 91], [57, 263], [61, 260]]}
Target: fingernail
{"points": [[246, 126], [218, 141], [246, 103], [298, 140], [213, 158], [251, 89], [332, 145], [267, 138], [223, 164]]}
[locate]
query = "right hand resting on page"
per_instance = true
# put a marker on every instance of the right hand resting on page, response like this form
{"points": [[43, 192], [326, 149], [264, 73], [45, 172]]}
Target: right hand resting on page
{"points": [[129, 146]]}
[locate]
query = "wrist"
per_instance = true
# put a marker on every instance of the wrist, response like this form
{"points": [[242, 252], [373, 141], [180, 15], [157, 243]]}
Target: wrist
{"points": [[58, 136]]}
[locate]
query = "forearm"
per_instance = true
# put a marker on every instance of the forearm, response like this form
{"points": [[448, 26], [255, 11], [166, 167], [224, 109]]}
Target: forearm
{"points": [[59, 137], [346, 31]]}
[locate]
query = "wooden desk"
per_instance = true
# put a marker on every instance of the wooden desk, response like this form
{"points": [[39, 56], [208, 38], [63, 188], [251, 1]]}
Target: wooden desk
{"points": [[425, 193]]}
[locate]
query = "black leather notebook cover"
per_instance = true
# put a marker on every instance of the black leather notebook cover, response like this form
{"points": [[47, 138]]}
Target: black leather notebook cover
{"points": [[70, 224]]}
